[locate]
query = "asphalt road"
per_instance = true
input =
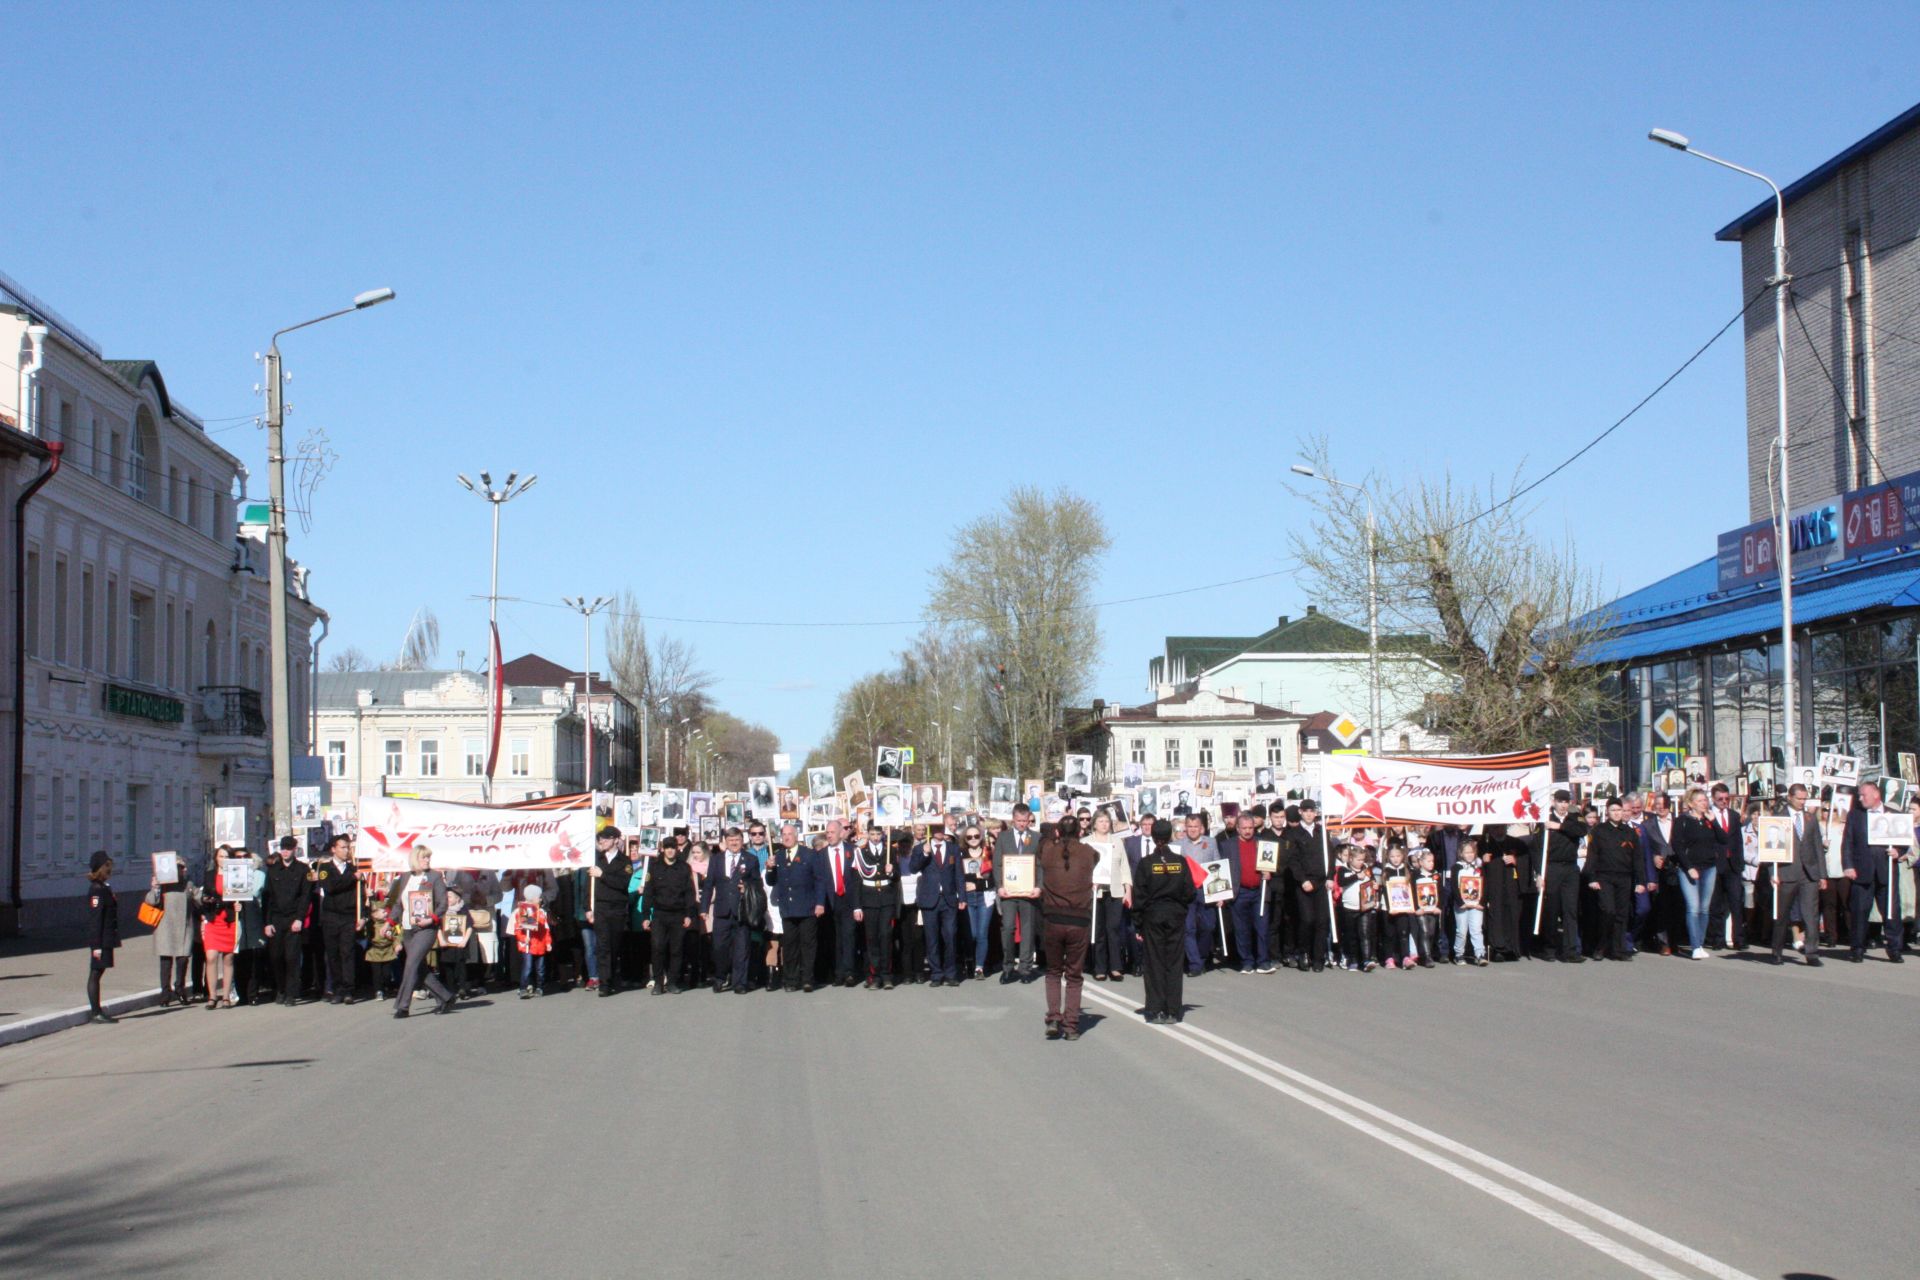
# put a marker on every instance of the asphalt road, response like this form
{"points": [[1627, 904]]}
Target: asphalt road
{"points": [[1666, 1118]]}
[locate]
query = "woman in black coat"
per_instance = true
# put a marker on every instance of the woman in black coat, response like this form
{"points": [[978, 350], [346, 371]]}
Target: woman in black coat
{"points": [[104, 931], [1697, 848]]}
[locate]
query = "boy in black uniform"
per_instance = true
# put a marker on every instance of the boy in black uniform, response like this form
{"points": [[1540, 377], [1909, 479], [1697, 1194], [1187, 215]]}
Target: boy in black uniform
{"points": [[610, 904], [874, 867], [1162, 888]]}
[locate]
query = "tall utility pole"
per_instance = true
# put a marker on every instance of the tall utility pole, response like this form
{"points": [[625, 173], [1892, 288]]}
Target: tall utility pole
{"points": [[1783, 530], [496, 498], [586, 610], [281, 701]]}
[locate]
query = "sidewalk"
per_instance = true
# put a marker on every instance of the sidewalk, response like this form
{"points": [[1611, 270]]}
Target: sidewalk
{"points": [[43, 981]]}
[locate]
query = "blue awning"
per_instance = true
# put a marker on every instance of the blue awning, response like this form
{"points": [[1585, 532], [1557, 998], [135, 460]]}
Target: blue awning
{"points": [[1888, 584]]}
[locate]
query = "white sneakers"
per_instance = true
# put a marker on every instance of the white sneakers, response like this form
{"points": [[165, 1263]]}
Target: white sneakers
{"points": [[1699, 953]]}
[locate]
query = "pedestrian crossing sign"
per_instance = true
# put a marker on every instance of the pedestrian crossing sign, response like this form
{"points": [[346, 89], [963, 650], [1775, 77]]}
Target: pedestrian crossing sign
{"points": [[906, 755]]}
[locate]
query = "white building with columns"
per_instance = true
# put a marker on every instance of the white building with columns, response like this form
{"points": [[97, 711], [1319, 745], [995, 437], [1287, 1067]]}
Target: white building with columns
{"points": [[141, 626]]}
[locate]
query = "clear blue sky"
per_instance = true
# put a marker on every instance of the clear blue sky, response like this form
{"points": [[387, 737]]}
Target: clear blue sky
{"points": [[810, 286]]}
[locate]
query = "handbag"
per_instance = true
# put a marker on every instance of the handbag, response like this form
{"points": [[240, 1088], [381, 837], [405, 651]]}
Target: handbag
{"points": [[753, 902], [151, 915]]}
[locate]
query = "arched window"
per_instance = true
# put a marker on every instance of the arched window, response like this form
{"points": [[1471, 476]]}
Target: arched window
{"points": [[244, 675], [211, 673], [143, 457]]}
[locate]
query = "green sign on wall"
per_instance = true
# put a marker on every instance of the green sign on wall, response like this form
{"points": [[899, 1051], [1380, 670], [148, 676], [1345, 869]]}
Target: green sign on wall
{"points": [[157, 707]]}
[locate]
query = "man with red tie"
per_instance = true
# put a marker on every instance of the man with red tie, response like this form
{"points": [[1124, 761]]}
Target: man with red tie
{"points": [[941, 895], [1242, 851], [843, 899], [1730, 888]]}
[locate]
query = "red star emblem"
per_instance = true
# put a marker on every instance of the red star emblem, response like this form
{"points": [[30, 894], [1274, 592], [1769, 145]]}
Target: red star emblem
{"points": [[390, 837], [1362, 797]]}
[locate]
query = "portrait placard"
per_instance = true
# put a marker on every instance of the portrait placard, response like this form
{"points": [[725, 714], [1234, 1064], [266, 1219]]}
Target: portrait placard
{"points": [[166, 867], [239, 879], [1773, 839], [1216, 884], [1016, 875], [1888, 828], [1399, 895]]}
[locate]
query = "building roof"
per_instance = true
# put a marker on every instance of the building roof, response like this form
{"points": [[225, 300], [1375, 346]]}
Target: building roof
{"points": [[531, 668], [1682, 611], [341, 689], [1315, 632], [1152, 710], [1894, 128]]}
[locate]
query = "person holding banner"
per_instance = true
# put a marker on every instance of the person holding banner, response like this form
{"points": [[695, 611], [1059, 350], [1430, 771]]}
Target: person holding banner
{"points": [[1309, 863], [608, 904], [1162, 888], [1242, 850], [800, 891], [1799, 881], [421, 898], [1559, 883], [289, 893], [1873, 871], [1198, 847], [338, 881], [1018, 919]]}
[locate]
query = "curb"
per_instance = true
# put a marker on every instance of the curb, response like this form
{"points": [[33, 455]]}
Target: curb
{"points": [[48, 1023]]}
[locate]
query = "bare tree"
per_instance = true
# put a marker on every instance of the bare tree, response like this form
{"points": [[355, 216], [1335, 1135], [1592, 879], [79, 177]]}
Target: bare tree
{"points": [[1463, 581], [351, 658], [1017, 590], [665, 677]]}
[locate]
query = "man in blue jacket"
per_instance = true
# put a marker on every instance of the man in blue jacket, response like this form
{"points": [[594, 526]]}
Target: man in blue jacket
{"points": [[941, 896], [721, 895], [800, 892]]}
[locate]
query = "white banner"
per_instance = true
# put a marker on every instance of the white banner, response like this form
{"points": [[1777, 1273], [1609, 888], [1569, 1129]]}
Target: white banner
{"points": [[1469, 790], [474, 836]]}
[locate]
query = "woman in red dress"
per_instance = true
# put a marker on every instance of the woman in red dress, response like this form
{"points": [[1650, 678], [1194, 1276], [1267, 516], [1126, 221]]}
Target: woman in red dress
{"points": [[217, 932]]}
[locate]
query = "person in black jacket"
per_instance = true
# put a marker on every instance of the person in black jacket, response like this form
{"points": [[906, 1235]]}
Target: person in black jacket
{"points": [[339, 883], [609, 904], [103, 931], [1309, 856], [1613, 861], [1162, 888], [288, 895], [666, 911], [1699, 850], [1561, 882]]}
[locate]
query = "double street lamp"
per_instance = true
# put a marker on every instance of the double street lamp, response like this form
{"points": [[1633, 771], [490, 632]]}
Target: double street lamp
{"points": [[586, 609], [1373, 600], [281, 696], [496, 498], [1783, 533]]}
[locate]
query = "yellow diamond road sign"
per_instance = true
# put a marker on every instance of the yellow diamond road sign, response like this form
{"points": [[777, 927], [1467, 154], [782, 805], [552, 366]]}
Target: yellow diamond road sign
{"points": [[1667, 725], [1345, 728]]}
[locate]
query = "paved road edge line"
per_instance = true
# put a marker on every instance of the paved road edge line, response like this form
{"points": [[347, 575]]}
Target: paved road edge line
{"points": [[1280, 1083], [48, 1023]]}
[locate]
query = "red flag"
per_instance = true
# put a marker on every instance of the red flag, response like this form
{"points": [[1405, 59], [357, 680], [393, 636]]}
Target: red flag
{"points": [[499, 699]]}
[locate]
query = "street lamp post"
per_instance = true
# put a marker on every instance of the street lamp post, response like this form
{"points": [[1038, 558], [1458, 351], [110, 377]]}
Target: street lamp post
{"points": [[281, 695], [1783, 533], [586, 609], [496, 498], [1373, 601]]}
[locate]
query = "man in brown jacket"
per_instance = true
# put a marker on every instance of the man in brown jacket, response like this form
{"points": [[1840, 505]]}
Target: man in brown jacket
{"points": [[1066, 914]]}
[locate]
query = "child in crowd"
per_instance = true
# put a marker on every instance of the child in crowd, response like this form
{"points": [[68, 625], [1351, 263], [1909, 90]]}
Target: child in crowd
{"points": [[383, 947], [1426, 908], [1469, 904], [1356, 905], [533, 936], [1396, 889]]}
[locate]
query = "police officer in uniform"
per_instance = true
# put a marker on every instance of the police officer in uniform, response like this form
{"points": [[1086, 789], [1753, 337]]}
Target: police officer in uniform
{"points": [[1162, 888]]}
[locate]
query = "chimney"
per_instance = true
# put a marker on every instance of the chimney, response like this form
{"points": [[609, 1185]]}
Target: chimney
{"points": [[1312, 609], [1281, 623]]}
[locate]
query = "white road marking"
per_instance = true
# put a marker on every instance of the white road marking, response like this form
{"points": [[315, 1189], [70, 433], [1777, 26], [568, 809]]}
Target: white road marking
{"points": [[1286, 1080]]}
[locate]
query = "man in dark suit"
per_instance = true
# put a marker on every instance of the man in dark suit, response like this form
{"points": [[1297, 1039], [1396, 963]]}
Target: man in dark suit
{"points": [[1017, 841], [720, 901], [1870, 868], [1309, 857], [843, 900], [1730, 887], [1660, 874], [941, 895], [1801, 880], [800, 888]]}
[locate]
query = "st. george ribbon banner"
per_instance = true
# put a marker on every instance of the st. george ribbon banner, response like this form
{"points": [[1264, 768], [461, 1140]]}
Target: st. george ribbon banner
{"points": [[1404, 791], [550, 834]]}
